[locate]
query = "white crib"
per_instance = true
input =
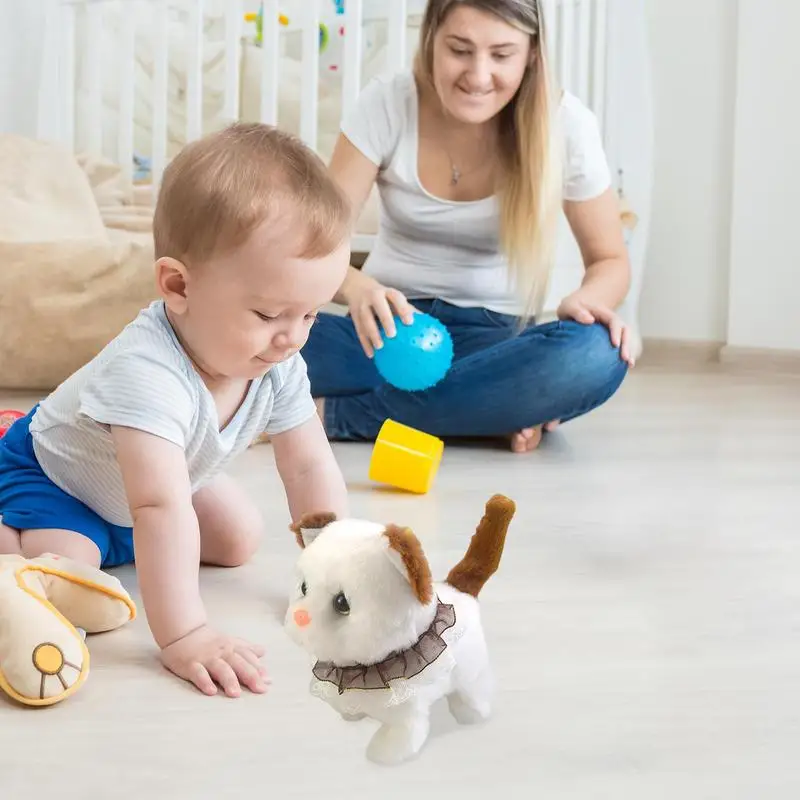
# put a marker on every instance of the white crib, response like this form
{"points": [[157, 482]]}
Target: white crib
{"points": [[134, 80]]}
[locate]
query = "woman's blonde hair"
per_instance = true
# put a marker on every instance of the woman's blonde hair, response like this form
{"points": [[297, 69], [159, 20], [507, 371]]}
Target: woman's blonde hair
{"points": [[530, 185]]}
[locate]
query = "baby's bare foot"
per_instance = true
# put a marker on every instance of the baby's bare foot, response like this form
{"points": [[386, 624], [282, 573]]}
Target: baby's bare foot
{"points": [[529, 439]]}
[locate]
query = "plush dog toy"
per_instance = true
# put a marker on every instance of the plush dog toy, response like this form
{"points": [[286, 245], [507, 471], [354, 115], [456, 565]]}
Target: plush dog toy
{"points": [[43, 658], [388, 641]]}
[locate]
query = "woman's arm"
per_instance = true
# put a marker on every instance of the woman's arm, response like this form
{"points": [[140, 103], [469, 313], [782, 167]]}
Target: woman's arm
{"points": [[364, 296], [356, 175], [597, 228]]}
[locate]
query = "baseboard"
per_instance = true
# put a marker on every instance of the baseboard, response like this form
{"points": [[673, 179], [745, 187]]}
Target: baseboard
{"points": [[674, 353], [761, 359], [678, 353]]}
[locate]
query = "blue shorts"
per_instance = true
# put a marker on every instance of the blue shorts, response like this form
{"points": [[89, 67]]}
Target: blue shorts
{"points": [[29, 500]]}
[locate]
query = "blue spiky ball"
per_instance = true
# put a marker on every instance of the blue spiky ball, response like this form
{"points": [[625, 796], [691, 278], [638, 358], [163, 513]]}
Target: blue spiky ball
{"points": [[418, 357]]}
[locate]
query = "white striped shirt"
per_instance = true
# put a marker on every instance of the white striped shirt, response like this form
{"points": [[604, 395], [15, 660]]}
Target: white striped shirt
{"points": [[143, 379]]}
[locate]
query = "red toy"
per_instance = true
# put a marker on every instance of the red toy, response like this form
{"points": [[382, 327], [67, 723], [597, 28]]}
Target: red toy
{"points": [[7, 418]]}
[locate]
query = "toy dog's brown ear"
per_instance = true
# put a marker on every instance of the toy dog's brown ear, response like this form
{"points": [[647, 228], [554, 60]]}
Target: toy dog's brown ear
{"points": [[407, 555], [310, 526]]}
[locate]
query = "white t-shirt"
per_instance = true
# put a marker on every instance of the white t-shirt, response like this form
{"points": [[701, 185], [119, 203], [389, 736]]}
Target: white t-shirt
{"points": [[143, 379], [430, 247]]}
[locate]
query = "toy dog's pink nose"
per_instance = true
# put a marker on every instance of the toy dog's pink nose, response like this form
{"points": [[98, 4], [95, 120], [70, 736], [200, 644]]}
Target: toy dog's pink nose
{"points": [[302, 617]]}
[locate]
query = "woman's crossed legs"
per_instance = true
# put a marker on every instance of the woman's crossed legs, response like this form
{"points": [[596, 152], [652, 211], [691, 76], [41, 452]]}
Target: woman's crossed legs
{"points": [[500, 381]]}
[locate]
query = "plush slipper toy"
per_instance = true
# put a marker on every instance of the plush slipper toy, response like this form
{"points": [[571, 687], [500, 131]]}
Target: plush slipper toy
{"points": [[43, 658]]}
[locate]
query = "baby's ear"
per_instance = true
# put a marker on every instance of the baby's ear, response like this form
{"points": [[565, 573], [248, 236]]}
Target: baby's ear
{"points": [[310, 526], [406, 553]]}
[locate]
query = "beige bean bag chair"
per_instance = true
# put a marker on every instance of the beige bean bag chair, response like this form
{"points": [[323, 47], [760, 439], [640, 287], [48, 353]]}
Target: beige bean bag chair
{"points": [[76, 260]]}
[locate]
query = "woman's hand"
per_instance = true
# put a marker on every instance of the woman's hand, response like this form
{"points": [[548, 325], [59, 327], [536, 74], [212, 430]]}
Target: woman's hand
{"points": [[367, 300], [584, 310]]}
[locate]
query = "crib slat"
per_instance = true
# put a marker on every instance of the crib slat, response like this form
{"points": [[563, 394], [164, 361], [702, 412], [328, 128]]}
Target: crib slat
{"points": [[269, 63], [66, 75], [351, 69], [550, 12], [126, 99], [160, 91], [599, 61], [396, 42], [233, 36], [583, 45], [93, 72], [567, 43], [49, 111], [194, 71], [310, 74]]}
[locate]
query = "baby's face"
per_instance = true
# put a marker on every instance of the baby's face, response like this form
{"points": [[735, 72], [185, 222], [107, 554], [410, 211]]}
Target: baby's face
{"points": [[251, 309]]}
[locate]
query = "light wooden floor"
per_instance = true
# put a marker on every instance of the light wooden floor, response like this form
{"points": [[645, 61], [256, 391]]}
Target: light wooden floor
{"points": [[644, 626]]}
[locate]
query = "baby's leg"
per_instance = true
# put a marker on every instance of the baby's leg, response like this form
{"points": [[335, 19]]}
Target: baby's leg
{"points": [[33, 543], [9, 541], [60, 542], [230, 524]]}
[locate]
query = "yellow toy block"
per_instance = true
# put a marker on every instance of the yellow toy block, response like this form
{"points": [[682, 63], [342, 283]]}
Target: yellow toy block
{"points": [[405, 457]]}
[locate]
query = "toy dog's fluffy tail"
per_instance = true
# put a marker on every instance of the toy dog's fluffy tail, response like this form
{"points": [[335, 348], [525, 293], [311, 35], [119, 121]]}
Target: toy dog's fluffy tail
{"points": [[483, 555]]}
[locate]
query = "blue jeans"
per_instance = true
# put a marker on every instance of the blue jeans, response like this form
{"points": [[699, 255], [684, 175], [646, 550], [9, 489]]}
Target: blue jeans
{"points": [[501, 380]]}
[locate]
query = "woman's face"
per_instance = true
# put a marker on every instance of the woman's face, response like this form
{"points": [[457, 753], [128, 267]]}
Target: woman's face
{"points": [[478, 63]]}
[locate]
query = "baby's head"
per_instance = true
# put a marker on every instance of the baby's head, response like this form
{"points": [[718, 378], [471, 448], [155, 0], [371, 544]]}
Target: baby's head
{"points": [[364, 590], [251, 239]]}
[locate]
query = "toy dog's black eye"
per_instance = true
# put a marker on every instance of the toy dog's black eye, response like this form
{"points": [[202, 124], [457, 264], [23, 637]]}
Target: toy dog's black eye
{"points": [[340, 604], [303, 588]]}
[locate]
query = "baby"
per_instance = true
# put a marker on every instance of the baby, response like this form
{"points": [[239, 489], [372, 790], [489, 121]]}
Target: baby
{"points": [[251, 239]]}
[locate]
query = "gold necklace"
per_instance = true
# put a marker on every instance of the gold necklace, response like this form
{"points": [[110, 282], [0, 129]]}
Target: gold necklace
{"points": [[455, 172]]}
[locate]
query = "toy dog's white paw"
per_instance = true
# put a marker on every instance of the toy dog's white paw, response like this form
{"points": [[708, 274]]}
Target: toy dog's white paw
{"points": [[394, 744], [468, 710]]}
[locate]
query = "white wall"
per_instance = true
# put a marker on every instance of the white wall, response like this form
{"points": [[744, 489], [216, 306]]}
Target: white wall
{"points": [[693, 60], [765, 267]]}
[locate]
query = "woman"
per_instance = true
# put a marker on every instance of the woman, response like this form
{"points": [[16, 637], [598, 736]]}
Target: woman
{"points": [[474, 156]]}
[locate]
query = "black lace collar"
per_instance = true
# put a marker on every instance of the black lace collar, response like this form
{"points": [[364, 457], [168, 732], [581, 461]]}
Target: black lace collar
{"points": [[404, 664]]}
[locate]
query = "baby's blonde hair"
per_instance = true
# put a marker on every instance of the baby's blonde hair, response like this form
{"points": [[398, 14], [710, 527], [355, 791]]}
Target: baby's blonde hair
{"points": [[220, 188], [529, 187]]}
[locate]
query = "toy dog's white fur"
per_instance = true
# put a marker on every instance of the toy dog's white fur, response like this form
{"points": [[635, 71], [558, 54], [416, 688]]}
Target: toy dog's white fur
{"points": [[388, 641]]}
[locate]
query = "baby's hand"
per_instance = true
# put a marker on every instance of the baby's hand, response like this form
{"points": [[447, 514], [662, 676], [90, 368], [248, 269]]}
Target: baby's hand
{"points": [[207, 658]]}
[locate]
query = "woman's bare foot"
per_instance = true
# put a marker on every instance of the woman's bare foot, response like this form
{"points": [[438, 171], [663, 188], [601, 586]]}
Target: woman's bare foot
{"points": [[530, 438]]}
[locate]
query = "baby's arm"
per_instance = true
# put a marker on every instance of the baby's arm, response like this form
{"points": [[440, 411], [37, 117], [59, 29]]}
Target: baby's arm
{"points": [[167, 544], [311, 477], [165, 530]]}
